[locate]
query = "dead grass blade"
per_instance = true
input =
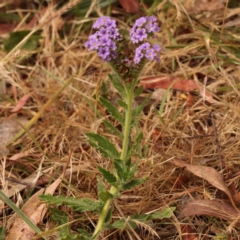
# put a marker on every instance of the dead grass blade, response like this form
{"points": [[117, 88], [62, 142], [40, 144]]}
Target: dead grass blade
{"points": [[38, 115]]}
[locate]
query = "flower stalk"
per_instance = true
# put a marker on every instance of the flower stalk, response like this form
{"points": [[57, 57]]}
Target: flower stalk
{"points": [[125, 144], [127, 58]]}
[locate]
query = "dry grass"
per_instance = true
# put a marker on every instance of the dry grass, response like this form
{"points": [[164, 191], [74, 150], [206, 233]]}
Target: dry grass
{"points": [[196, 45]]}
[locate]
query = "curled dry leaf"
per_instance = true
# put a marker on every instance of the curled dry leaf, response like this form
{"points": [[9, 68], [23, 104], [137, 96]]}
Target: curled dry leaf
{"points": [[211, 208], [188, 233], [21, 102], [209, 174], [177, 84]]}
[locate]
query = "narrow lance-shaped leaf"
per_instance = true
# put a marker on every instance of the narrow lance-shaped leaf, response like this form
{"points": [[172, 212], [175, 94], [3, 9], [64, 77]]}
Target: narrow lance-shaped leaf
{"points": [[113, 129], [139, 108], [120, 168], [82, 205], [100, 186], [122, 104], [109, 216], [108, 176], [132, 170], [61, 218], [103, 145], [133, 183], [122, 223], [166, 213], [135, 144], [138, 91], [117, 83], [112, 109]]}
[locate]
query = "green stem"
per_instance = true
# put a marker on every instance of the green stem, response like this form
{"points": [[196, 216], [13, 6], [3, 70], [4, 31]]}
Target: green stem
{"points": [[127, 125], [103, 214], [126, 136]]}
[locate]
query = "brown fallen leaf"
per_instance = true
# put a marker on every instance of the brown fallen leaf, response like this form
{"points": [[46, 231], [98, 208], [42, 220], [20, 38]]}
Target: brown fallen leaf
{"points": [[177, 84], [187, 233], [131, 6], [211, 208], [9, 127], [6, 27], [21, 102], [33, 209], [209, 174]]}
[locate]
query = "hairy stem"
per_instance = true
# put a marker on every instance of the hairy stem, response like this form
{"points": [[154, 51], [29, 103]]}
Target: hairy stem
{"points": [[125, 144], [127, 125]]}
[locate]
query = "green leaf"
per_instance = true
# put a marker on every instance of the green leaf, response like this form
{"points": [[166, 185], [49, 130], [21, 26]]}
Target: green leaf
{"points": [[166, 213], [122, 224], [133, 183], [84, 235], [2, 233], [138, 91], [61, 218], [104, 89], [139, 108], [140, 217], [116, 82], [113, 129], [100, 186], [109, 216], [82, 205], [122, 104], [132, 170], [109, 177], [17, 37], [104, 196], [119, 167], [103, 145], [135, 144], [112, 110]]}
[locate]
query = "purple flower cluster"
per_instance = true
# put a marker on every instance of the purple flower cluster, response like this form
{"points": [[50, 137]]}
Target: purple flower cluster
{"points": [[104, 39], [148, 51], [106, 35], [142, 28]]}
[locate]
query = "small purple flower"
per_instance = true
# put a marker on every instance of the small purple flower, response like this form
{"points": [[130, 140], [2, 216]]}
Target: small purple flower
{"points": [[113, 32], [148, 51], [104, 39], [93, 44], [150, 54], [141, 34], [101, 22], [142, 27], [138, 57], [145, 46], [139, 22], [104, 53], [102, 31]]}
